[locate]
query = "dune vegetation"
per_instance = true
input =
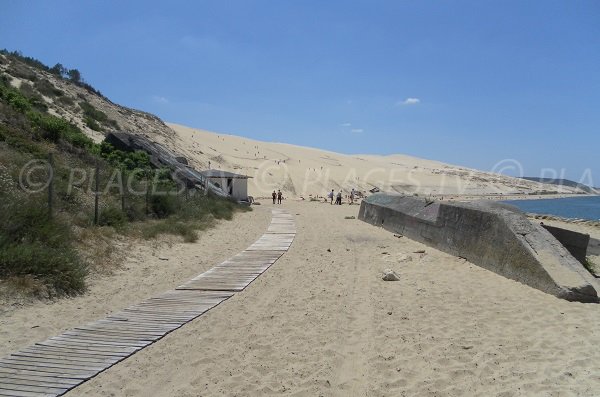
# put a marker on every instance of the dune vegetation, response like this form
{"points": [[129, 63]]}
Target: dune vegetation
{"points": [[43, 228]]}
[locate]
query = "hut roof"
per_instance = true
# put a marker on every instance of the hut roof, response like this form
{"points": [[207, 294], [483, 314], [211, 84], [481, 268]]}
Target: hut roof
{"points": [[222, 174]]}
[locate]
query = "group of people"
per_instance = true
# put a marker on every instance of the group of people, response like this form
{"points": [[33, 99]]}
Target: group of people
{"points": [[338, 197], [277, 196]]}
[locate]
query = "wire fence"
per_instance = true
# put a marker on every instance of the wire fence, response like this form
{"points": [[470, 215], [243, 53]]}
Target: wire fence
{"points": [[103, 191]]}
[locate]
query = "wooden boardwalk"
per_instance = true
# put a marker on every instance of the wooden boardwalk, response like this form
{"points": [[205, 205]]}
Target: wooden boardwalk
{"points": [[56, 365]]}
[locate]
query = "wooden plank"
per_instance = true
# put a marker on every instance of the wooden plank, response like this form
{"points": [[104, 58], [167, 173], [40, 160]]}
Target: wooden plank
{"points": [[50, 376], [24, 390], [53, 363], [126, 323], [28, 377], [36, 382], [108, 337], [130, 314], [11, 361], [49, 390], [71, 353], [123, 352], [119, 332], [111, 336], [57, 371], [15, 393], [67, 358], [147, 320], [98, 342]]}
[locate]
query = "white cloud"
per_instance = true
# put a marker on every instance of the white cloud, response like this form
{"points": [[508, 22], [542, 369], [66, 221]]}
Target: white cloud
{"points": [[160, 99], [357, 130], [346, 124], [409, 101]]}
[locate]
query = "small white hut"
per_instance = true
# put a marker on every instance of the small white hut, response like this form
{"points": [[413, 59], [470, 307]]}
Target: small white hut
{"points": [[235, 185]]}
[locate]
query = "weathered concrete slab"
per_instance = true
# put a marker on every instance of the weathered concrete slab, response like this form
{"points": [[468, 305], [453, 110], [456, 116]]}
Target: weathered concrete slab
{"points": [[492, 235]]}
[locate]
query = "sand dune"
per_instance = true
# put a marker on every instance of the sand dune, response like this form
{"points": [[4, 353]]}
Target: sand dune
{"points": [[302, 171]]}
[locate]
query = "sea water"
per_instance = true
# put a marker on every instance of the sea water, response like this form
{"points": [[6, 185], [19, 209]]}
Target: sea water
{"points": [[584, 207]]}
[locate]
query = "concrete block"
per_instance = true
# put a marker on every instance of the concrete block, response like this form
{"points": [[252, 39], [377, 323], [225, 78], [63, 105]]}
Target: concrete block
{"points": [[576, 243], [492, 235]]}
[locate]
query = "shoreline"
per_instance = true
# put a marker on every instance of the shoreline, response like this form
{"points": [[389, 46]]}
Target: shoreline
{"points": [[509, 197]]}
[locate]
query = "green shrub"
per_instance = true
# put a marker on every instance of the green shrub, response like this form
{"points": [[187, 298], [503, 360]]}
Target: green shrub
{"points": [[25, 145], [113, 123], [21, 71], [112, 216], [66, 100], [54, 128], [18, 102], [35, 100], [171, 226], [91, 123], [138, 160], [135, 212], [27, 89], [31, 243], [50, 127], [92, 112], [15, 99], [163, 205], [591, 266], [46, 88]]}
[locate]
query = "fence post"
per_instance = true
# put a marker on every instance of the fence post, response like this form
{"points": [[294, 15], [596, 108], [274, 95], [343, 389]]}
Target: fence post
{"points": [[97, 193], [123, 190], [51, 184], [147, 197]]}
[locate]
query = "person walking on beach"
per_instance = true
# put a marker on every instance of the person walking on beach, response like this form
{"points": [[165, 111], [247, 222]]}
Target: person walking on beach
{"points": [[279, 196], [331, 196], [338, 200], [274, 196], [352, 196]]}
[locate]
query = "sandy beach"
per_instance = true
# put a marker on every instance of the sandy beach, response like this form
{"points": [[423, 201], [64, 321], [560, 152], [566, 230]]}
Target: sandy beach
{"points": [[322, 322]]}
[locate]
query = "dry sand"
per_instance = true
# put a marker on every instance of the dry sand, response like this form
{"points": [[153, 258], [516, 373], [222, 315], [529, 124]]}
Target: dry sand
{"points": [[324, 323]]}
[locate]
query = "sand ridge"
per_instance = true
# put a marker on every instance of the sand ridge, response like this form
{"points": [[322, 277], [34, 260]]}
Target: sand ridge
{"points": [[304, 172]]}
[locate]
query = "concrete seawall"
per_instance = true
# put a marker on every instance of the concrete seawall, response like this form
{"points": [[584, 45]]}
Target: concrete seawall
{"points": [[492, 235]]}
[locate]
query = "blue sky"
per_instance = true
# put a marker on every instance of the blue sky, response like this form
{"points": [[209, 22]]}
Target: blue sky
{"points": [[464, 82]]}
